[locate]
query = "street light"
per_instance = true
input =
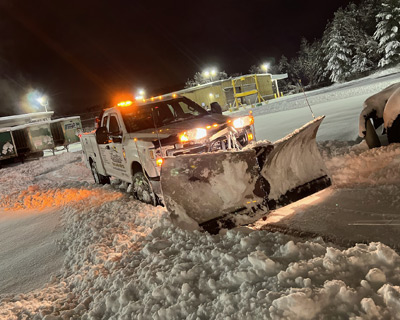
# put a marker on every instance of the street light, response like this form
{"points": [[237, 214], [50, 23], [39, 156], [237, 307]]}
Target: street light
{"points": [[265, 67], [44, 102], [210, 74], [140, 95]]}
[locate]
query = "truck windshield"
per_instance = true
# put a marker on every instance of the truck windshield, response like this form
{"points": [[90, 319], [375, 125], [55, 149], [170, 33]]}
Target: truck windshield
{"points": [[161, 113]]}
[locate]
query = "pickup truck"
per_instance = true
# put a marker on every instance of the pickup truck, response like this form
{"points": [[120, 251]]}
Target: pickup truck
{"points": [[132, 139]]}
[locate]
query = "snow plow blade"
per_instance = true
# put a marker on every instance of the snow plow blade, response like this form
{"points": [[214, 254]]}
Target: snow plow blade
{"points": [[225, 189], [294, 167], [207, 186]]}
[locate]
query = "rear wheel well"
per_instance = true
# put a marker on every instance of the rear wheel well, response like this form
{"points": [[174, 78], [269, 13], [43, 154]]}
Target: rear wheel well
{"points": [[136, 167]]}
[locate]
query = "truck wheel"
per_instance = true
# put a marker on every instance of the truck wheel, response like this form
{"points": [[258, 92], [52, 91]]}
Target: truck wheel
{"points": [[393, 132], [142, 189], [98, 178]]}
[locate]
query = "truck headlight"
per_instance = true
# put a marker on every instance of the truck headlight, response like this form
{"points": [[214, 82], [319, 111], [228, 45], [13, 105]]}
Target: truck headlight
{"points": [[193, 134], [243, 122]]}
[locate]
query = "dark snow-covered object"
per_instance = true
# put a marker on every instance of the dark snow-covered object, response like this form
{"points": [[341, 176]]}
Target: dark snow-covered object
{"points": [[380, 110], [227, 187], [391, 117]]}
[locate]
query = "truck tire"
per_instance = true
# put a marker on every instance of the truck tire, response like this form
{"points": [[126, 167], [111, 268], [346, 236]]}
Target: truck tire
{"points": [[98, 178], [142, 189], [393, 132]]}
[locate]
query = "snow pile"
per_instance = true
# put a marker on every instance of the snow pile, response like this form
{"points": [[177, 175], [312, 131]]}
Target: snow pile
{"points": [[331, 149], [379, 166], [34, 198], [44, 183], [44, 172], [125, 260]]}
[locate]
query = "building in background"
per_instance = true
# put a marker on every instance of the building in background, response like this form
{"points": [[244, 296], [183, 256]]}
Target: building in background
{"points": [[28, 135], [244, 90], [21, 119]]}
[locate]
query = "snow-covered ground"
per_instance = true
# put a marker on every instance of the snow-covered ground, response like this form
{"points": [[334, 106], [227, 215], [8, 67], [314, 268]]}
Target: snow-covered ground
{"points": [[126, 260]]}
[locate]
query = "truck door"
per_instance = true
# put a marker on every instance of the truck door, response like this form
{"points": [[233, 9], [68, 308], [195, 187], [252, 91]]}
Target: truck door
{"points": [[104, 150], [114, 151]]}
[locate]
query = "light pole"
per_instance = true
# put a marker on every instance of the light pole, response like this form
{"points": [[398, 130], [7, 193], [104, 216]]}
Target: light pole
{"points": [[44, 102]]}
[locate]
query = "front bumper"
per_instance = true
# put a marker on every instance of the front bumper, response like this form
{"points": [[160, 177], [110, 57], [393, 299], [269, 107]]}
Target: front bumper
{"points": [[226, 139]]}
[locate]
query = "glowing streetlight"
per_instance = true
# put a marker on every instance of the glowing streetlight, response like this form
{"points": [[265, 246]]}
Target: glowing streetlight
{"points": [[140, 95], [44, 102], [210, 74], [265, 67]]}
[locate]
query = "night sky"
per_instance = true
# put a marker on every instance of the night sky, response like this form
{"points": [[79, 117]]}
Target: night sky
{"points": [[90, 52]]}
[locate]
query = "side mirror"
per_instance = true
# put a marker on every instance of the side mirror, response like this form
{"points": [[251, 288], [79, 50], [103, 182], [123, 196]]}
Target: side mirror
{"points": [[101, 135], [215, 108]]}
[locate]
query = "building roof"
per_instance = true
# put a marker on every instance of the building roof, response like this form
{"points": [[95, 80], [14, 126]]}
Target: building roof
{"points": [[217, 82], [22, 119], [279, 76]]}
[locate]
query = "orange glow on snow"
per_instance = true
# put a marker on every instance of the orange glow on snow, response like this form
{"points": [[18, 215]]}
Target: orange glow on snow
{"points": [[40, 200]]}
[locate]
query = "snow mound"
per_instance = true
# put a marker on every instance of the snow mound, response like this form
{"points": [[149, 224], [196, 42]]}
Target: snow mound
{"points": [[34, 198], [45, 172], [378, 166], [331, 148], [126, 260]]}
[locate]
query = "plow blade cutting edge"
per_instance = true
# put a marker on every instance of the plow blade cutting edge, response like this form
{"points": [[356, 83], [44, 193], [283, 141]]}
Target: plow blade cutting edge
{"points": [[211, 186]]}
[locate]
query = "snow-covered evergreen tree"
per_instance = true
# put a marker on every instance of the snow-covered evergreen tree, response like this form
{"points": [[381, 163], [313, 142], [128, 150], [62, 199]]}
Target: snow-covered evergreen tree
{"points": [[348, 47], [363, 45], [200, 78], [309, 65], [283, 65], [361, 60], [365, 14], [337, 47], [387, 32]]}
